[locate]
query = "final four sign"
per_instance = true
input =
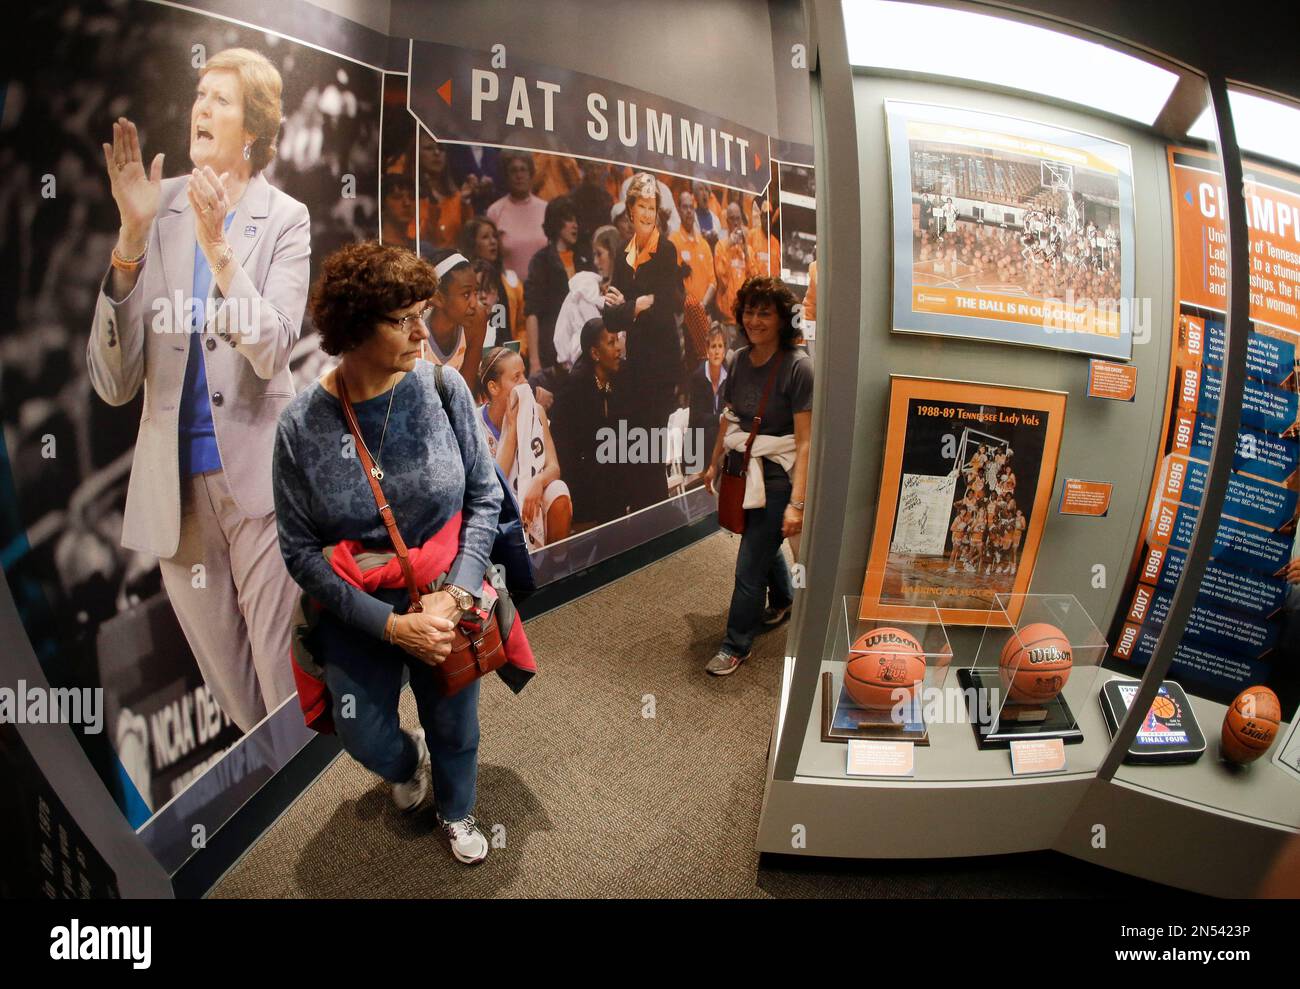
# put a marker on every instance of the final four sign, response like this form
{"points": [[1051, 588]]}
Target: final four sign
{"points": [[469, 97]]}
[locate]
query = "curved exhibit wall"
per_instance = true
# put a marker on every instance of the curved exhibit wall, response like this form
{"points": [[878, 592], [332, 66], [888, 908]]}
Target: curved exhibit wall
{"points": [[366, 90]]}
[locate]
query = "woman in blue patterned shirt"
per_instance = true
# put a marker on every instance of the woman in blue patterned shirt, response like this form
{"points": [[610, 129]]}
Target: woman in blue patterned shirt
{"points": [[371, 305]]}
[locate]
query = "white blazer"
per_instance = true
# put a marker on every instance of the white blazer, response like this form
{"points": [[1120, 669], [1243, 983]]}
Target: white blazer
{"points": [[246, 344]]}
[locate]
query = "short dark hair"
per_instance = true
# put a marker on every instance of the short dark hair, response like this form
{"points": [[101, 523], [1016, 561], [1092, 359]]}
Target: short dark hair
{"points": [[765, 288], [360, 282], [442, 254], [559, 211], [591, 333]]}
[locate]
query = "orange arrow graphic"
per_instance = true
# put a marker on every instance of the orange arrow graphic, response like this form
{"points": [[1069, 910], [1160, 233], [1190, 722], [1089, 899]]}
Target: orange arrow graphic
{"points": [[445, 92]]}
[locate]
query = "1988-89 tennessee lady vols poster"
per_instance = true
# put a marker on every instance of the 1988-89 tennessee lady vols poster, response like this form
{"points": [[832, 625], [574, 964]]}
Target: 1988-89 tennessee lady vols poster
{"points": [[964, 493]]}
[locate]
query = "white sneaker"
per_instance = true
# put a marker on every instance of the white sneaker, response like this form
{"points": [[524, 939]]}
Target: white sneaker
{"points": [[468, 843], [411, 794]]}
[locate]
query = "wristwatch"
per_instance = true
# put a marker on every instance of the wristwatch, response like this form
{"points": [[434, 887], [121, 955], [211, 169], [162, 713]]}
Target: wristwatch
{"points": [[463, 598], [796, 505]]}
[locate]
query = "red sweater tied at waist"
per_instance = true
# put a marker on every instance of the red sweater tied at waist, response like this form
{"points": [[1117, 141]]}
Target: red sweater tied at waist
{"points": [[370, 571]]}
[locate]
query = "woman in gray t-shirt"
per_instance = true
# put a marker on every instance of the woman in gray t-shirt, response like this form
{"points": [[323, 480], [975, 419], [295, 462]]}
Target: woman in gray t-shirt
{"points": [[765, 313]]}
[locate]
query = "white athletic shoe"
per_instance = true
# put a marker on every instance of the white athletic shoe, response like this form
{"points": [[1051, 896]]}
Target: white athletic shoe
{"points": [[468, 843], [411, 794]]}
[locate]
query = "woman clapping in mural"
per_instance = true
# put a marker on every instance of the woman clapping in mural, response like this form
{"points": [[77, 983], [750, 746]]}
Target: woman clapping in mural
{"points": [[215, 371], [644, 300]]}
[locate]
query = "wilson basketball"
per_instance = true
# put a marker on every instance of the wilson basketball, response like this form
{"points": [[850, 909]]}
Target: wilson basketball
{"points": [[882, 661], [1035, 664], [1250, 725]]}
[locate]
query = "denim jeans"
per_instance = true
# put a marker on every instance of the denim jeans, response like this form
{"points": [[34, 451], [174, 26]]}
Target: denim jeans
{"points": [[761, 571], [364, 676]]}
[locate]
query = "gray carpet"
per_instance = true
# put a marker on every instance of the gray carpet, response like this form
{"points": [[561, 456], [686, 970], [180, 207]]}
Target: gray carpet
{"points": [[586, 796]]}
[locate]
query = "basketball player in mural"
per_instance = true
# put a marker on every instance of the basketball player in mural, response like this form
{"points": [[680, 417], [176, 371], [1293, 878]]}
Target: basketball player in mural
{"points": [[215, 371]]}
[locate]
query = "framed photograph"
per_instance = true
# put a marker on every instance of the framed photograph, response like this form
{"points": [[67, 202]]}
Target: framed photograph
{"points": [[965, 491], [1010, 231]]}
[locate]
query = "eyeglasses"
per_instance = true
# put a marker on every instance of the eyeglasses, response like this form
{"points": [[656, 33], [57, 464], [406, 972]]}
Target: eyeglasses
{"points": [[407, 323]]}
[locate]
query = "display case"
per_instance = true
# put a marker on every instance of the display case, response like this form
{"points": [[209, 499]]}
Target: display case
{"points": [[878, 687], [995, 250], [1033, 669]]}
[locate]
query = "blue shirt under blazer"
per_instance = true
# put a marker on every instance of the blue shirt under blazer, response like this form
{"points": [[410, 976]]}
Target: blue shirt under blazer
{"points": [[245, 347]]}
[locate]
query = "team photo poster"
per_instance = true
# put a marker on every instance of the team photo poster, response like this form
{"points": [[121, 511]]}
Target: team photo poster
{"points": [[1010, 231], [965, 490]]}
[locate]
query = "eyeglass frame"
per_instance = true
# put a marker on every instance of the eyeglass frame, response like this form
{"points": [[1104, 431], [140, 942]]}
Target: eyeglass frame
{"points": [[404, 321]]}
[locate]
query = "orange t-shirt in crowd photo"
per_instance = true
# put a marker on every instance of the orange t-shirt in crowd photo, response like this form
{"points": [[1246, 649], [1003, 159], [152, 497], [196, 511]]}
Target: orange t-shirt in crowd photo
{"points": [[614, 182], [556, 176], [810, 299], [566, 258], [764, 253], [695, 251], [731, 267], [514, 287], [715, 207], [440, 222]]}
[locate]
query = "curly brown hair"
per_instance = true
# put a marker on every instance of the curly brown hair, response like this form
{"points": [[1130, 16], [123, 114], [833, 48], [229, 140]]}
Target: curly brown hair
{"points": [[361, 282], [762, 289]]}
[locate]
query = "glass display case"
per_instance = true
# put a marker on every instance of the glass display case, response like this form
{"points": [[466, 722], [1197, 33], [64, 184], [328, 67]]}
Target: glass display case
{"points": [[1053, 411], [1033, 670]]}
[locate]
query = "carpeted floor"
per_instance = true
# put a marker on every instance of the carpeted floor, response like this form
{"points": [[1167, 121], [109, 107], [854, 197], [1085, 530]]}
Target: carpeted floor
{"points": [[622, 770]]}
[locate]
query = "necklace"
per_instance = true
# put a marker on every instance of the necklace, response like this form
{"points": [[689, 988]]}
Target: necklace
{"points": [[377, 471]]}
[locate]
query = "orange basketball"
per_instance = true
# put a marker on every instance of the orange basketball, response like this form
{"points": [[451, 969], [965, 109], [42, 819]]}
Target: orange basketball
{"points": [[1250, 725], [882, 661], [1035, 664]]}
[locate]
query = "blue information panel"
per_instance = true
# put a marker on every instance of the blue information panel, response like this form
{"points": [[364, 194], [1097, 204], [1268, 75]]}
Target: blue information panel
{"points": [[1224, 674], [1222, 629], [1225, 586], [1267, 358], [1247, 500], [1261, 406]]}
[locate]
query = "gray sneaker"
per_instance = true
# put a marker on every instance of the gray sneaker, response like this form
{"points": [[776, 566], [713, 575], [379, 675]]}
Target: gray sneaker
{"points": [[724, 663], [468, 843], [775, 616], [409, 795]]}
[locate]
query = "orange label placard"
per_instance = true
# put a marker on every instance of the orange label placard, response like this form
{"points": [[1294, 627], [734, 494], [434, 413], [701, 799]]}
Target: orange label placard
{"points": [[1191, 340], [1162, 523], [1128, 637], [1184, 428], [1090, 498], [1189, 387], [1117, 382], [1137, 611], [1037, 755], [872, 758], [1173, 478], [1154, 563]]}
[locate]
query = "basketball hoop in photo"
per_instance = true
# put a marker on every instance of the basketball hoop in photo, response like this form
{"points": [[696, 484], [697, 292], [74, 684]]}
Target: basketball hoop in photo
{"points": [[1058, 176]]}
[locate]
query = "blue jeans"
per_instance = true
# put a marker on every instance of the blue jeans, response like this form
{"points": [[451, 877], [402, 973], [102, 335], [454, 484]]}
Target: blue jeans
{"points": [[364, 676], [761, 571]]}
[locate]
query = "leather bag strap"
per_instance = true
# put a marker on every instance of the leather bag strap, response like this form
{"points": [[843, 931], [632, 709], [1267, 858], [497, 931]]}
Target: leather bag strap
{"points": [[777, 360], [385, 512]]}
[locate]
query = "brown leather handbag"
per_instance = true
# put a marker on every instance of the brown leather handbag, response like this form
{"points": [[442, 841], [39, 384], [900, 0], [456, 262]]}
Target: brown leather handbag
{"points": [[476, 647], [735, 464]]}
